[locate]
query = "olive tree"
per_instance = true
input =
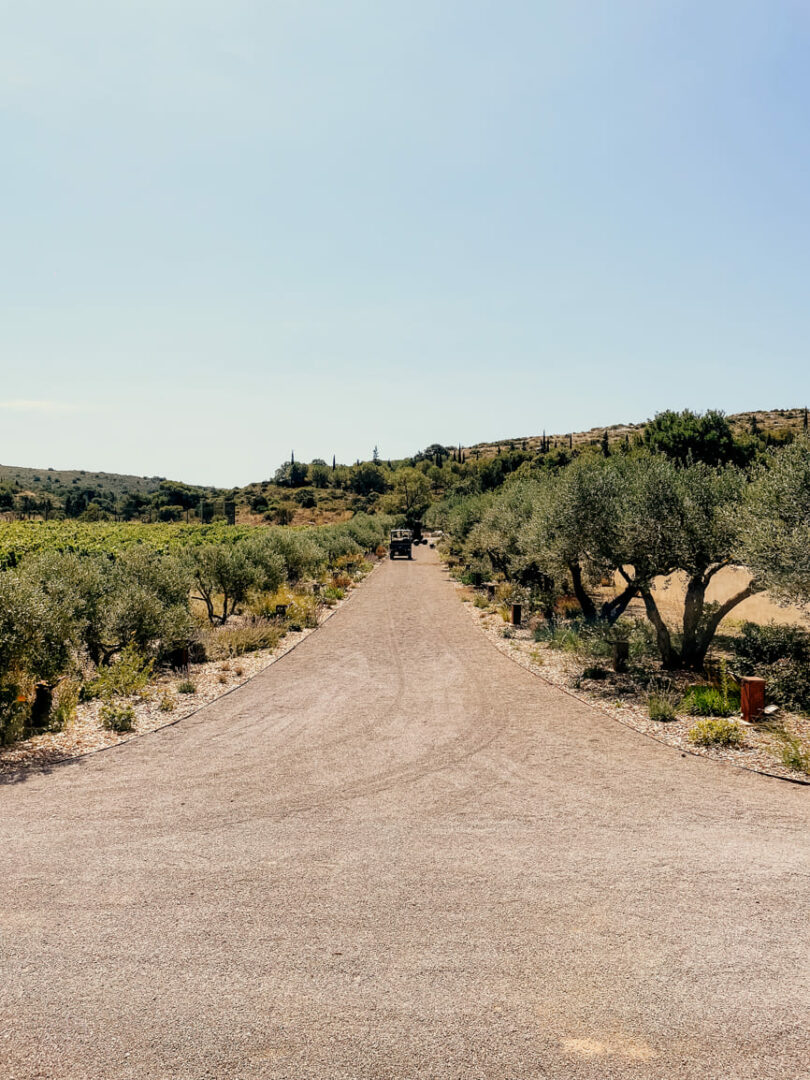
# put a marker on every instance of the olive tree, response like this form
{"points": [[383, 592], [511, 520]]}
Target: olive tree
{"points": [[681, 519], [574, 533], [500, 536], [147, 604], [221, 574], [411, 495], [38, 634], [777, 523]]}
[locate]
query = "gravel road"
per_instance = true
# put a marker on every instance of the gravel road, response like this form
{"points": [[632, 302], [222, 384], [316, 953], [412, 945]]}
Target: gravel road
{"points": [[397, 854]]}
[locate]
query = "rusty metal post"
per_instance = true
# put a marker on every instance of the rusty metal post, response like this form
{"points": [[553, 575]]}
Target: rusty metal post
{"points": [[490, 587], [752, 697], [515, 615]]}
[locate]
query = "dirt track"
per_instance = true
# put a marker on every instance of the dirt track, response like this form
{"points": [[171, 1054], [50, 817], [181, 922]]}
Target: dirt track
{"points": [[397, 854]]}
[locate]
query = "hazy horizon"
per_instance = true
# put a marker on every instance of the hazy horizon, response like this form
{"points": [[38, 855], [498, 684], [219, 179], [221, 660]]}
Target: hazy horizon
{"points": [[232, 231]]}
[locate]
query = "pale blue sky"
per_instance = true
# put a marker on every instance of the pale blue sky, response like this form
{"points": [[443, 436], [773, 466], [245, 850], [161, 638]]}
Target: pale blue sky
{"points": [[230, 228]]}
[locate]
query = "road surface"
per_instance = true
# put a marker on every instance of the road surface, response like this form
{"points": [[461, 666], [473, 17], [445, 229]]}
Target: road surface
{"points": [[396, 854]]}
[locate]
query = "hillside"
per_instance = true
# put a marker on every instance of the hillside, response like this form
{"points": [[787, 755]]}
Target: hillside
{"points": [[313, 493], [776, 422], [58, 480]]}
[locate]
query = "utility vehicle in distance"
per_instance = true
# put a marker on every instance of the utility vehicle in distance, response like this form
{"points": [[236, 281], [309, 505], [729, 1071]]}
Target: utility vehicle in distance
{"points": [[400, 543]]}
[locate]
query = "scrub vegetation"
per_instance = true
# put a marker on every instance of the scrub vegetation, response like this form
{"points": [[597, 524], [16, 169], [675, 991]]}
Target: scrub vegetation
{"points": [[105, 580], [92, 611]]}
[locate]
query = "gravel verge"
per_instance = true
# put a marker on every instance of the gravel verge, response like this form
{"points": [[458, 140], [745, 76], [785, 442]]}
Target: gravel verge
{"points": [[85, 734], [623, 700]]}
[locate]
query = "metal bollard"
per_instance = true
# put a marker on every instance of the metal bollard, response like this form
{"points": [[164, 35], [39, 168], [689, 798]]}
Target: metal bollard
{"points": [[752, 698]]}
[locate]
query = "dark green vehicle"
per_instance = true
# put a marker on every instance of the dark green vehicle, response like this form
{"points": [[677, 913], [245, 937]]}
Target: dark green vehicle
{"points": [[400, 543]]}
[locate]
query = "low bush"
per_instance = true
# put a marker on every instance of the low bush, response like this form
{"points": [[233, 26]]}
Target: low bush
{"points": [[660, 706], [795, 754], [186, 687], [303, 611], [332, 593], [781, 656], [116, 717], [716, 732], [758, 645], [788, 682], [566, 637], [229, 641], [710, 701], [130, 674], [15, 712], [480, 601], [66, 700], [166, 703]]}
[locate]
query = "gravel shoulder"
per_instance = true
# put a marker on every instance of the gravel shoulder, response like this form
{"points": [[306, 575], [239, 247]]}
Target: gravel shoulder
{"points": [[620, 698], [397, 854], [86, 734]]}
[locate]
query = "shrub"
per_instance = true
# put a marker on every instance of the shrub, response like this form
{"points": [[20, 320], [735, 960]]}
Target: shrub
{"points": [[332, 593], [67, 698], [305, 497], [758, 645], [144, 602], [301, 552], [186, 687], [130, 674], [15, 711], [789, 683], [719, 732], [39, 629], [781, 655], [231, 641], [118, 718], [567, 637], [660, 706], [166, 703], [709, 701], [282, 514], [480, 601], [305, 610], [795, 754]]}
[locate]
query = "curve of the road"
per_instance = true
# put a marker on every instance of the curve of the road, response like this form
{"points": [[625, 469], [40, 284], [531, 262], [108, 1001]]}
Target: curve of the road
{"points": [[396, 854]]}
